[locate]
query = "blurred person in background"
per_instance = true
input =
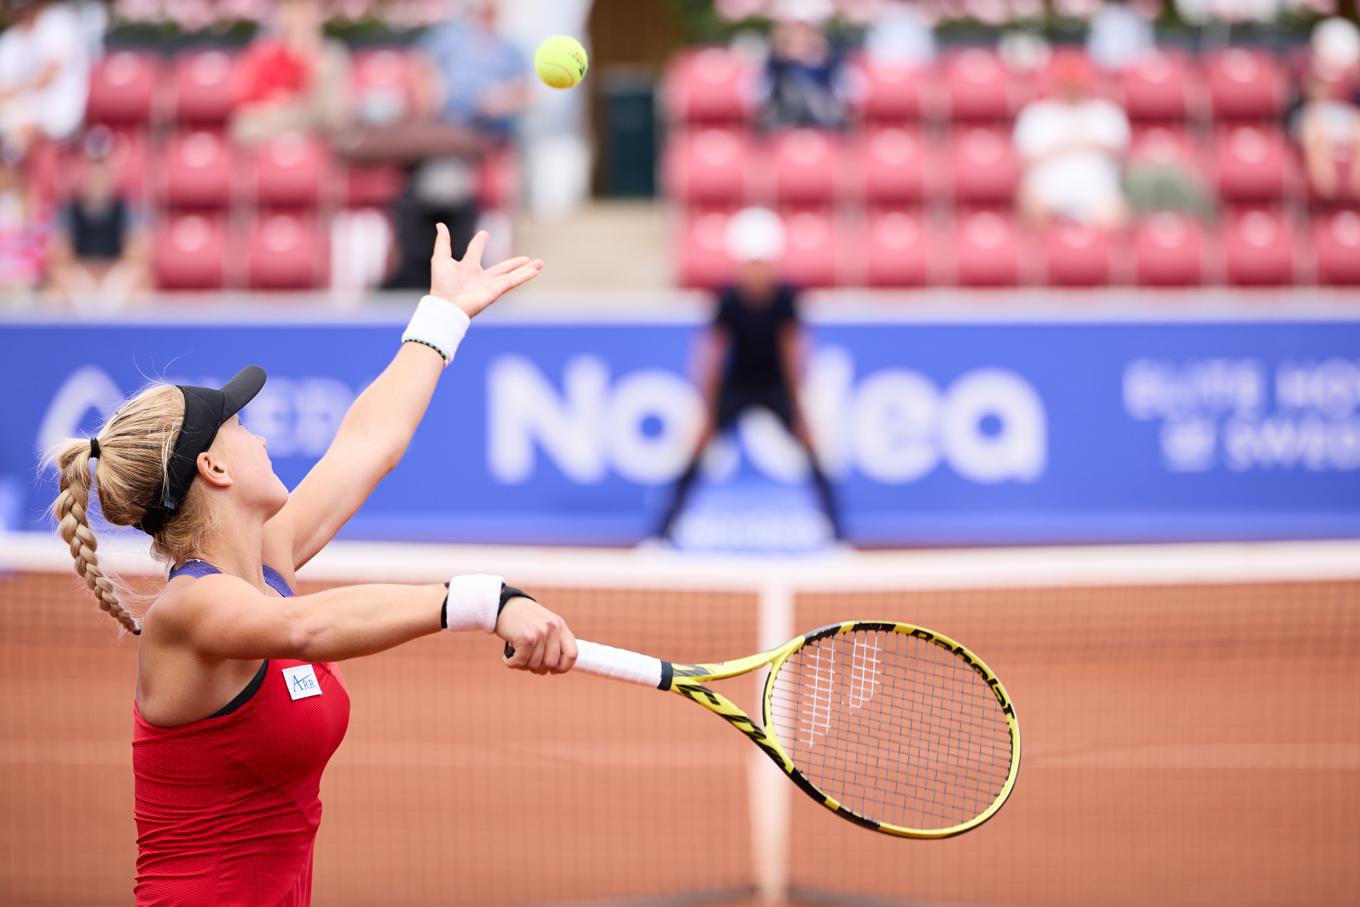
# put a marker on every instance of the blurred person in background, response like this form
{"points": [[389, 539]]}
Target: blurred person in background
{"points": [[100, 249], [292, 79], [900, 34], [44, 72], [1119, 34], [803, 83], [1327, 118], [24, 229], [477, 82], [1070, 146], [751, 358]]}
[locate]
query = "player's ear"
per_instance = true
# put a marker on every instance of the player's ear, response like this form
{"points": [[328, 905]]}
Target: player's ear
{"points": [[213, 470]]}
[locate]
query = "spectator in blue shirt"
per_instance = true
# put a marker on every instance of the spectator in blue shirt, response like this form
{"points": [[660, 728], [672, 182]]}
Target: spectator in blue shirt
{"points": [[476, 82]]}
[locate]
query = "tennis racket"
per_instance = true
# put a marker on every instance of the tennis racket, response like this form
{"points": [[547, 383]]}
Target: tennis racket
{"points": [[893, 727]]}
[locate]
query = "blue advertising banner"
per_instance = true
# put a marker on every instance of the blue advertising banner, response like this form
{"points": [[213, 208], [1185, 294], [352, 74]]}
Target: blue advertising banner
{"points": [[935, 432]]}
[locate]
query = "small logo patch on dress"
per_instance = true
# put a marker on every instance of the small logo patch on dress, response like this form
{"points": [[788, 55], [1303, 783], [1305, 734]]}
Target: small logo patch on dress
{"points": [[301, 680]]}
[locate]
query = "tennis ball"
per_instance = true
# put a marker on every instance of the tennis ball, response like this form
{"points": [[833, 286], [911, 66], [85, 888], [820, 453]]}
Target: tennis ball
{"points": [[561, 61]]}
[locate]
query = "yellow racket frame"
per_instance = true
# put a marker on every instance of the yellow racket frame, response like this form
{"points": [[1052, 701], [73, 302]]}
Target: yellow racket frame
{"points": [[688, 681]]}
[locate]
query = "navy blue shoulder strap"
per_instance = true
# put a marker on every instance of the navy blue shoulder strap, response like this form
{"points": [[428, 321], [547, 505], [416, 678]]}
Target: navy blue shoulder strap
{"points": [[198, 569]]}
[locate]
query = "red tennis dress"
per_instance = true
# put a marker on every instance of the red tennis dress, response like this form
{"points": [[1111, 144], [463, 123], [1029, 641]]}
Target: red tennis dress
{"points": [[227, 807]]}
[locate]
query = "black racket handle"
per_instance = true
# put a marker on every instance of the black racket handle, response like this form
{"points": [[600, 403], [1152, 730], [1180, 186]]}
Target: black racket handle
{"points": [[509, 651]]}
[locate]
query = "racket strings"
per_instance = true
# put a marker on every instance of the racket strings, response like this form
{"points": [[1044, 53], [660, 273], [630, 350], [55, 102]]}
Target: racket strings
{"points": [[895, 728]]}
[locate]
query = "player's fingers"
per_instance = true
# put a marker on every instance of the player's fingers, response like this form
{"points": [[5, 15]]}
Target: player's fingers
{"points": [[524, 649], [552, 650], [540, 647], [476, 247], [569, 651], [521, 275], [510, 264], [442, 248]]}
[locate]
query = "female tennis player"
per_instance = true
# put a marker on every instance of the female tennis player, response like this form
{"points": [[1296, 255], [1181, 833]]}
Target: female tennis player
{"points": [[239, 702]]}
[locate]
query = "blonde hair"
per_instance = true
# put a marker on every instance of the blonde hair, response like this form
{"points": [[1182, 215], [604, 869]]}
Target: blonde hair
{"points": [[135, 447]]}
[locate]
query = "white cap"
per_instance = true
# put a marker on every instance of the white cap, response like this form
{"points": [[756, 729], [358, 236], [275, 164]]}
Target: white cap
{"points": [[755, 234], [1336, 44]]}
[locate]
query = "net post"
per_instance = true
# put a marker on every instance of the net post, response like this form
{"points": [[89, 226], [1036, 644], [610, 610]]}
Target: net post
{"points": [[770, 789]]}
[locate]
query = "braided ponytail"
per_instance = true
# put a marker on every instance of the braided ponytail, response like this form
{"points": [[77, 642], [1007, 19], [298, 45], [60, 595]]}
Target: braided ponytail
{"points": [[72, 512], [134, 449]]}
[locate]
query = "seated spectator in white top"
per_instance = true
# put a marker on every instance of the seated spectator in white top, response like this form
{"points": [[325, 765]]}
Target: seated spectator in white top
{"points": [[1328, 123], [44, 73], [1070, 146], [99, 256]]}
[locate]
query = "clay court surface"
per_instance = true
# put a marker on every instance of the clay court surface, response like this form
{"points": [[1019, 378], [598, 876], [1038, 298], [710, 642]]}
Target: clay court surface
{"points": [[1183, 745]]}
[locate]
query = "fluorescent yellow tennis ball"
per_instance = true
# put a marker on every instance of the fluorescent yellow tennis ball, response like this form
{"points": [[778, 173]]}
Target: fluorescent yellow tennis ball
{"points": [[561, 61]]}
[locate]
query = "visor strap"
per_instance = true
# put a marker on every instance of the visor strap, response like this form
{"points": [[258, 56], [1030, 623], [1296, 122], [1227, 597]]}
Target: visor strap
{"points": [[438, 324]]}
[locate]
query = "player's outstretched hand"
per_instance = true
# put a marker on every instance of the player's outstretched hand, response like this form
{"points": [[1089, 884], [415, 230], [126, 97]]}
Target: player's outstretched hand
{"points": [[466, 283], [542, 641]]}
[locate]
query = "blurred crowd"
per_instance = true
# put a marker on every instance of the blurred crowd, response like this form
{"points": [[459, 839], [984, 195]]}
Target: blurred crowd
{"points": [[75, 191]]}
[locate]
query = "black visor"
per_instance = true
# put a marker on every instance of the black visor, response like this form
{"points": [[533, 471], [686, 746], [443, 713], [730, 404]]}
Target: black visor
{"points": [[205, 409]]}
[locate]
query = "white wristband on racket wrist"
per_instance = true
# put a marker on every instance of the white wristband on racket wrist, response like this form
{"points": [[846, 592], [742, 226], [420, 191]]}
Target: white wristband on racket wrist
{"points": [[439, 324], [473, 602]]}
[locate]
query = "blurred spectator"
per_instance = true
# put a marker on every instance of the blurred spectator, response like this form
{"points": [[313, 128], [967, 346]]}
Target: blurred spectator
{"points": [[1070, 145], [478, 86], [99, 250], [751, 357], [1328, 123], [1119, 35], [803, 72], [292, 79], [900, 34], [23, 228], [44, 73]]}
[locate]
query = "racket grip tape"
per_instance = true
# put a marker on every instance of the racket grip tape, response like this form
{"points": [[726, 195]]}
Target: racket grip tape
{"points": [[617, 664]]}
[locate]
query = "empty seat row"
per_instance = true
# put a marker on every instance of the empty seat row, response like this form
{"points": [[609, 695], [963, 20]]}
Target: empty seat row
{"points": [[280, 251], [200, 88], [975, 166], [987, 249], [715, 85], [203, 169]]}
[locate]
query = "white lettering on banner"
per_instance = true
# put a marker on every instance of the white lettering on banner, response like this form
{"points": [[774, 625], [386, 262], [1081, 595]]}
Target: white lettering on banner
{"points": [[896, 426], [1221, 413], [299, 416], [87, 388]]}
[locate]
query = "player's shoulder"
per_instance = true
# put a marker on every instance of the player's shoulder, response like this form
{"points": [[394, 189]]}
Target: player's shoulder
{"points": [[185, 597]]}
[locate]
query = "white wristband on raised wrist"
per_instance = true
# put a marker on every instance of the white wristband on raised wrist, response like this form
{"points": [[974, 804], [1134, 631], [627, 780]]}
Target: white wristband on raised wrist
{"points": [[473, 602], [439, 324]]}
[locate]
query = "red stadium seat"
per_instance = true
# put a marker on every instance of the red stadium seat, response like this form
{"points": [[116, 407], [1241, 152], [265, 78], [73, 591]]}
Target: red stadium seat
{"points": [[701, 255], [1258, 249], [205, 87], [895, 93], [979, 86], [985, 167], [986, 251], [285, 252], [1253, 165], [811, 249], [197, 170], [498, 180], [1166, 145], [893, 166], [1076, 255], [290, 171], [898, 250], [373, 186], [1244, 84], [382, 86], [1157, 87], [806, 163], [712, 85], [1168, 251], [189, 252], [123, 89], [709, 165], [1336, 238]]}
